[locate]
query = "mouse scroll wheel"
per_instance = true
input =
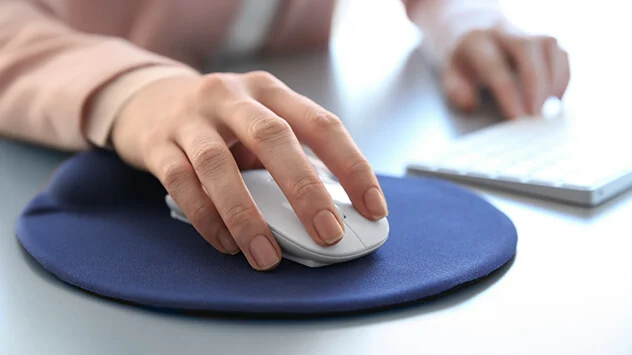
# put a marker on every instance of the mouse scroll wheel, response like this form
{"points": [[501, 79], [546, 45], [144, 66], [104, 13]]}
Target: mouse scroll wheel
{"points": [[342, 214]]}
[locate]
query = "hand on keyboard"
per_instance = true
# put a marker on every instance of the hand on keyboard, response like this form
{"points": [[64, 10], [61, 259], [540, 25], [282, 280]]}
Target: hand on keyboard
{"points": [[481, 59]]}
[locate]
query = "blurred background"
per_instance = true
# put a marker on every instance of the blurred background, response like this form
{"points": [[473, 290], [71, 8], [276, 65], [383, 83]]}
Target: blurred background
{"points": [[374, 35]]}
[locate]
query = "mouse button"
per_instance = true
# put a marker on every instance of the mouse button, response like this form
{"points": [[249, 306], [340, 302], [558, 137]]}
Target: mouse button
{"points": [[371, 233], [342, 213], [285, 224], [259, 179], [294, 231], [348, 246], [337, 192], [263, 191]]}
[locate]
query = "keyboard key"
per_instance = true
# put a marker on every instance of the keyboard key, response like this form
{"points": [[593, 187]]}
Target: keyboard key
{"points": [[555, 153], [520, 171], [488, 167]]}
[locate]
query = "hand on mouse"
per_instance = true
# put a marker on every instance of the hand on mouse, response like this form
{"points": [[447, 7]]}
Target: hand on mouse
{"points": [[195, 134], [521, 71]]}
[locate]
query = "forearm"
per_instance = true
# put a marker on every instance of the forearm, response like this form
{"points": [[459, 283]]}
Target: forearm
{"points": [[62, 88]]}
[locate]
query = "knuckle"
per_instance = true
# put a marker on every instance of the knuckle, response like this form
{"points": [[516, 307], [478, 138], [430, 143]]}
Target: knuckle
{"points": [[323, 121], [238, 215], [358, 166], [209, 157], [212, 82], [261, 77], [198, 213], [213, 85], [175, 174], [268, 129], [264, 85], [304, 187], [269, 92]]}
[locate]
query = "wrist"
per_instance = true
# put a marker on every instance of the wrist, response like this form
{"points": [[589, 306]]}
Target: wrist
{"points": [[108, 102], [145, 110], [444, 26]]}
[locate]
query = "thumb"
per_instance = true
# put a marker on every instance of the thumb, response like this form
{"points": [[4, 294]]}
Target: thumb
{"points": [[460, 91]]}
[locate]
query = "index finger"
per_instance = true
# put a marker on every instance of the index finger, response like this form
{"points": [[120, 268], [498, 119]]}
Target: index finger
{"points": [[272, 140], [530, 59], [325, 134], [489, 64], [220, 176]]}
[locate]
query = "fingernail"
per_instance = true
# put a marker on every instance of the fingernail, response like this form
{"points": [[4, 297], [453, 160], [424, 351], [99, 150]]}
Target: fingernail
{"points": [[264, 253], [375, 203], [227, 242], [327, 227]]}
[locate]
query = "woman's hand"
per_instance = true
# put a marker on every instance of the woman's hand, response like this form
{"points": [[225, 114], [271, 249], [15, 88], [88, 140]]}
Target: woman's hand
{"points": [[520, 71], [196, 134]]}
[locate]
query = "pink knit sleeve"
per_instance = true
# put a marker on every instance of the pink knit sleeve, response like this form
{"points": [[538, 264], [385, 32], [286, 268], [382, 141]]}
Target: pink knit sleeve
{"points": [[62, 88], [443, 22]]}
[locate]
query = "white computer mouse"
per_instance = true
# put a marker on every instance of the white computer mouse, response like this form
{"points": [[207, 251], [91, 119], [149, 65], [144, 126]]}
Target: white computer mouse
{"points": [[362, 236]]}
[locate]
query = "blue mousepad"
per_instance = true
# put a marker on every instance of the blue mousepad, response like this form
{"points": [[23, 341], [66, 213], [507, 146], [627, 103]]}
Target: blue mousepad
{"points": [[104, 227]]}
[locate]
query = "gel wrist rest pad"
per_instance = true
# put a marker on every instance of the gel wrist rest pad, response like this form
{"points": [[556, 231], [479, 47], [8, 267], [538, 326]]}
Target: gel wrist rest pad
{"points": [[104, 227]]}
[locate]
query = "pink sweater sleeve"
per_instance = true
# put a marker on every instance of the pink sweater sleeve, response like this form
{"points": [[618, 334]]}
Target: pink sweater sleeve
{"points": [[443, 22], [62, 88]]}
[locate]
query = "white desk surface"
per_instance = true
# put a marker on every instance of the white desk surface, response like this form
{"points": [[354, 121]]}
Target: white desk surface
{"points": [[568, 291]]}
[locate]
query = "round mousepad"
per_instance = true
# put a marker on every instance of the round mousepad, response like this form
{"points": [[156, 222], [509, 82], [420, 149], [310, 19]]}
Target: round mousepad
{"points": [[104, 227]]}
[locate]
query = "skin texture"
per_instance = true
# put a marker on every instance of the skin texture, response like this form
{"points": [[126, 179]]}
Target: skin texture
{"points": [[520, 71], [196, 133]]}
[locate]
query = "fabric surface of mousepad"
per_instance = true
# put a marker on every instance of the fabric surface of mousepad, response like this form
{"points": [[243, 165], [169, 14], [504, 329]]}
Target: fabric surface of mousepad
{"points": [[105, 228]]}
